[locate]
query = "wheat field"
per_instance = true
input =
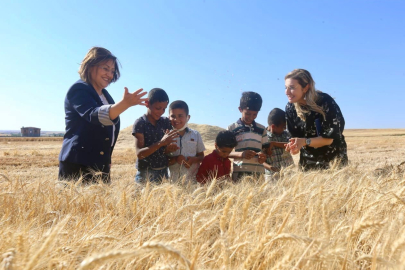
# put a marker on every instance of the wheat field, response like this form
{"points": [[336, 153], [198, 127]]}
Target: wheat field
{"points": [[350, 218]]}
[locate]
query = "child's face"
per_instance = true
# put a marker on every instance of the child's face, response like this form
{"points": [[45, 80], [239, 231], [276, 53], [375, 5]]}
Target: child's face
{"points": [[223, 152], [178, 118], [248, 116], [157, 109], [278, 129]]}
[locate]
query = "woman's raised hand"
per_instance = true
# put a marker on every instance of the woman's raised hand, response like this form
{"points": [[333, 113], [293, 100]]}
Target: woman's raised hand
{"points": [[135, 98], [128, 100]]}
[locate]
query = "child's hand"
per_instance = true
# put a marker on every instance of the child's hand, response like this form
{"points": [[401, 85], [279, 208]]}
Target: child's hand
{"points": [[191, 160], [294, 146], [180, 159], [248, 154], [183, 161], [171, 148], [262, 157], [169, 137]]}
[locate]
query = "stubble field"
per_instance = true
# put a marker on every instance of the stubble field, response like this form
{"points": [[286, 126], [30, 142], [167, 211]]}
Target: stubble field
{"points": [[350, 218]]}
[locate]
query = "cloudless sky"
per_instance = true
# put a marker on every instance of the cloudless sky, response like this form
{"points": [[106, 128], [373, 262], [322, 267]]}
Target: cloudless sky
{"points": [[205, 53]]}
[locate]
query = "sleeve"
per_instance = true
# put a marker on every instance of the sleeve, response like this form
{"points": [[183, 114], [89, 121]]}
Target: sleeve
{"points": [[202, 173], [200, 143], [290, 119], [104, 116], [265, 140], [84, 104], [111, 101], [333, 123], [228, 167], [138, 127]]}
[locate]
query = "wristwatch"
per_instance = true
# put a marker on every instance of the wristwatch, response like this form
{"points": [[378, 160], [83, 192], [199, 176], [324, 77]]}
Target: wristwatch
{"points": [[308, 141]]}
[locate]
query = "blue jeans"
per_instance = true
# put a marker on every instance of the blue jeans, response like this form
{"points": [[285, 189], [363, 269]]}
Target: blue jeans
{"points": [[154, 176]]}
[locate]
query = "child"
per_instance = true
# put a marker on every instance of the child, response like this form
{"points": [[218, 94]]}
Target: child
{"points": [[187, 158], [217, 164], [251, 138], [151, 132], [278, 137]]}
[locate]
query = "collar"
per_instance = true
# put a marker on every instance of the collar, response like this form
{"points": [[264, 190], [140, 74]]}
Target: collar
{"points": [[270, 134], [186, 131], [144, 117], [94, 92], [243, 124], [217, 156]]}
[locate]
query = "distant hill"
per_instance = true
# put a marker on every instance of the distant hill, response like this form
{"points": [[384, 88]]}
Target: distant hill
{"points": [[208, 134]]}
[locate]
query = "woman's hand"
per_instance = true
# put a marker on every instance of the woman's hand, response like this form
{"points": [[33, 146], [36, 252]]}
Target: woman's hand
{"points": [[295, 145], [128, 100], [135, 98]]}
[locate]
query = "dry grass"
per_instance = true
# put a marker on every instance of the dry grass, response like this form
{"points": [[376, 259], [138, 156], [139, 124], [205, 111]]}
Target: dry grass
{"points": [[352, 218]]}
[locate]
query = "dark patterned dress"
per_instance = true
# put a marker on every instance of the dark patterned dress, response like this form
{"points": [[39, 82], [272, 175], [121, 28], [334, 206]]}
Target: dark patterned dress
{"points": [[314, 126]]}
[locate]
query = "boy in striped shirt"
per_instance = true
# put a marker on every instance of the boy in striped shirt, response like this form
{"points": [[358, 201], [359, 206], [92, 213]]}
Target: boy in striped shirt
{"points": [[251, 137]]}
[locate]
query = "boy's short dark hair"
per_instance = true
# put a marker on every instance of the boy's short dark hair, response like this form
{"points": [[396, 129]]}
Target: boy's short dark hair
{"points": [[179, 104], [157, 95], [251, 101], [276, 117], [226, 138]]}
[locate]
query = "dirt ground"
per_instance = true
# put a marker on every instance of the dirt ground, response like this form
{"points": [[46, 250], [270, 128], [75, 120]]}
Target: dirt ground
{"points": [[372, 149]]}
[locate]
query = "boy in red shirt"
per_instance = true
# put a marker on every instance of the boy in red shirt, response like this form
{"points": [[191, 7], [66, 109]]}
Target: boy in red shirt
{"points": [[217, 165]]}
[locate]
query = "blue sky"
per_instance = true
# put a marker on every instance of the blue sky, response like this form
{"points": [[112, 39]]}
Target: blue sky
{"points": [[205, 53]]}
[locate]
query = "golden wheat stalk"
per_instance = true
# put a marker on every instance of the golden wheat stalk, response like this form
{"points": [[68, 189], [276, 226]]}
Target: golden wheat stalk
{"points": [[47, 243]]}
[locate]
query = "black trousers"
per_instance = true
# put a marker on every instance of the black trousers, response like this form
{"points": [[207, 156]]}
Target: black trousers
{"points": [[90, 174]]}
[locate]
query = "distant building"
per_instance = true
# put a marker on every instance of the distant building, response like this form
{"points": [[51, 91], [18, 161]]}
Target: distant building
{"points": [[30, 132]]}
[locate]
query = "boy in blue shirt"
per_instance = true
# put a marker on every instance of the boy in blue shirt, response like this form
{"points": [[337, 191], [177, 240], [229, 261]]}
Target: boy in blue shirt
{"points": [[277, 135], [152, 136], [251, 138]]}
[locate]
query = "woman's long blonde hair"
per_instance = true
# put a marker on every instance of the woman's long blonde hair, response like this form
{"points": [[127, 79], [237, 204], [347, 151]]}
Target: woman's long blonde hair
{"points": [[304, 78]]}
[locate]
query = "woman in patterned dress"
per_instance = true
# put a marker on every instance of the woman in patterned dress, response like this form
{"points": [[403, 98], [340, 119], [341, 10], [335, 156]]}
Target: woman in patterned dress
{"points": [[315, 122]]}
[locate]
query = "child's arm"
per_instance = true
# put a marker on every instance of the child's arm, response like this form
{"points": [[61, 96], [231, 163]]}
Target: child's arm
{"points": [[197, 159], [248, 154], [270, 168], [143, 152], [279, 144]]}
